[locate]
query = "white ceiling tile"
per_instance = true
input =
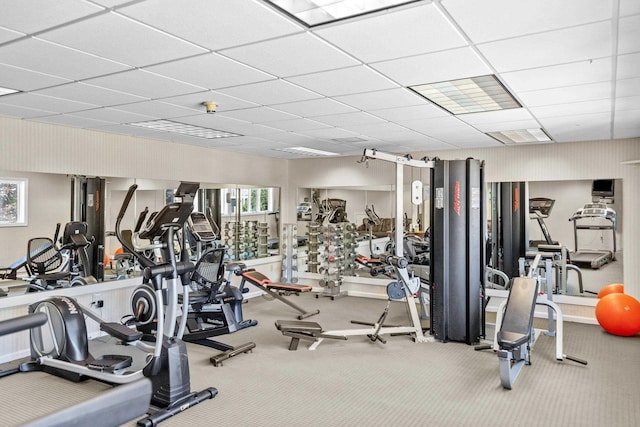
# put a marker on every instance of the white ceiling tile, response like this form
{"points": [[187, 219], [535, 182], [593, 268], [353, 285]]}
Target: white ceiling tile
{"points": [[195, 100], [566, 95], [46, 103], [294, 138], [489, 20], [582, 127], [21, 79], [549, 48], [434, 67], [315, 107], [413, 112], [628, 103], [426, 125], [7, 35], [628, 66], [258, 115], [211, 71], [416, 30], [214, 24], [90, 94], [628, 87], [296, 125], [120, 39], [382, 99], [329, 133], [629, 7], [270, 93], [159, 109], [144, 84], [571, 109], [629, 34], [511, 125], [48, 58], [71, 120], [10, 110], [293, 55], [343, 81], [349, 120], [627, 124], [114, 115], [576, 73], [43, 14], [498, 116]]}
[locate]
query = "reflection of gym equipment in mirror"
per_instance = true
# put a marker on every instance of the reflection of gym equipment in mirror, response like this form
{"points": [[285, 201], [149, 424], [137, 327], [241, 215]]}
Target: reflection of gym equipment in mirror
{"points": [[593, 258], [539, 209]]}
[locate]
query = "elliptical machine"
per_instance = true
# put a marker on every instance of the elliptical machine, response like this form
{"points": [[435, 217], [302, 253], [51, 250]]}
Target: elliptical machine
{"points": [[61, 346]]}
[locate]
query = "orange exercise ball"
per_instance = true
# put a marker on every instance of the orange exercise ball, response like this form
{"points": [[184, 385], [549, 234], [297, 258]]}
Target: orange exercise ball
{"points": [[619, 314], [118, 251], [106, 260], [613, 288]]}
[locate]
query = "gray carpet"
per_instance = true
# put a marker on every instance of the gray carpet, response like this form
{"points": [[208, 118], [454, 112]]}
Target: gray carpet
{"points": [[357, 382]]}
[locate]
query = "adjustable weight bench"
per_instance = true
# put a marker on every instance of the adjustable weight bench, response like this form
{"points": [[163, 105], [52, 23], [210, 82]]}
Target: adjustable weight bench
{"points": [[276, 290], [308, 331], [515, 336]]}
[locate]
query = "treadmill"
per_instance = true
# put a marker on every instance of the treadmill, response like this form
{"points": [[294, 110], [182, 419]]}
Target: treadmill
{"points": [[539, 209], [593, 258]]}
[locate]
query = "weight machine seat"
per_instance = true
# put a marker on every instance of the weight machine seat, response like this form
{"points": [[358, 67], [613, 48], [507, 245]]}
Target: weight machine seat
{"points": [[517, 320], [259, 279], [302, 330]]}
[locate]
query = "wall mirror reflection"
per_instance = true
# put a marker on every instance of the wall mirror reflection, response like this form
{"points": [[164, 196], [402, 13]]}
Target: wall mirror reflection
{"points": [[68, 224], [576, 224]]}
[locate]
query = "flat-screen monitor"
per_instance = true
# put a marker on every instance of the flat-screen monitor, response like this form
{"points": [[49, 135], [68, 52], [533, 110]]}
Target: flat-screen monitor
{"points": [[603, 188]]}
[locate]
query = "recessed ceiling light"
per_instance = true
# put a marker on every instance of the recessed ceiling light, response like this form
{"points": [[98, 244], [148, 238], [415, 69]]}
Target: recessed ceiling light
{"points": [[316, 12], [7, 91], [520, 136], [470, 95], [308, 151], [183, 128]]}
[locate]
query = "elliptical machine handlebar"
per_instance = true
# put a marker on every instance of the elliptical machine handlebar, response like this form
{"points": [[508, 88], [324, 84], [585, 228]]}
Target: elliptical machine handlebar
{"points": [[142, 259]]}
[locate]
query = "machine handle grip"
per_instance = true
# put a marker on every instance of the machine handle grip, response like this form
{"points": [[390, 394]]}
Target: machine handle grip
{"points": [[141, 218], [127, 200]]}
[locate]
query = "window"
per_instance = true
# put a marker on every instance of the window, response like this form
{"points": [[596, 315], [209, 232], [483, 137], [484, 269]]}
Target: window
{"points": [[252, 200], [13, 202]]}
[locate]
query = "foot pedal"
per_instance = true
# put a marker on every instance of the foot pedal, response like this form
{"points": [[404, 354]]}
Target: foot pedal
{"points": [[110, 363], [121, 332]]}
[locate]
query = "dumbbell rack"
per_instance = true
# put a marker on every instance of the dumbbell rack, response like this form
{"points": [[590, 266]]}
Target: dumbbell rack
{"points": [[262, 239], [314, 231], [289, 251], [336, 257]]}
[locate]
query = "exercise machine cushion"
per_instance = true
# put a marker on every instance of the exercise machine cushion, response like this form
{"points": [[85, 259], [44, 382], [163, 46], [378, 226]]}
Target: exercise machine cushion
{"points": [[260, 279], [518, 314], [311, 328]]}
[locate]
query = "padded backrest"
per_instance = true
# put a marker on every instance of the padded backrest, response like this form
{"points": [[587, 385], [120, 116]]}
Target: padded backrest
{"points": [[521, 303], [42, 256]]}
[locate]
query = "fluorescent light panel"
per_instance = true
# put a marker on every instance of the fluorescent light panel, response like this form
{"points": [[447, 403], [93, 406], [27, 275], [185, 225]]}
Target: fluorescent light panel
{"points": [[470, 95], [520, 136], [7, 91], [308, 151], [183, 128], [316, 12]]}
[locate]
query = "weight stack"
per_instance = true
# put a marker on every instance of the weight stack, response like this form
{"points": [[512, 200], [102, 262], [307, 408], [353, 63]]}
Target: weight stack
{"points": [[457, 250]]}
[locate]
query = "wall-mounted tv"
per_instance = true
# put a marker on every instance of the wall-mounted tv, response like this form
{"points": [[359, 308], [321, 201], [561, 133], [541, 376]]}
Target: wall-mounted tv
{"points": [[603, 188]]}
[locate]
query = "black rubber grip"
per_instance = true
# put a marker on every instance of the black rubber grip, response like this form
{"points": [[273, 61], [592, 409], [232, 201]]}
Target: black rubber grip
{"points": [[127, 200]]}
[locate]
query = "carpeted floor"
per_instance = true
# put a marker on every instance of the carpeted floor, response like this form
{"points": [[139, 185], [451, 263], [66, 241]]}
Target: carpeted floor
{"points": [[360, 383]]}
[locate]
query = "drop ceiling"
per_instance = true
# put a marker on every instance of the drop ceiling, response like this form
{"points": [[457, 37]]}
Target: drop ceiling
{"points": [[573, 65]]}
